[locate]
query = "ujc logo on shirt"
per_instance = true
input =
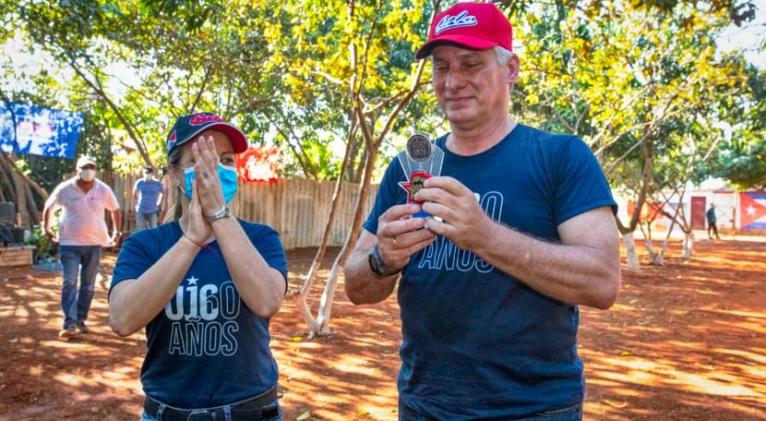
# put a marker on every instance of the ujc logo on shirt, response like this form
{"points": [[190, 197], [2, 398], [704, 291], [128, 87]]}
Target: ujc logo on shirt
{"points": [[457, 21]]}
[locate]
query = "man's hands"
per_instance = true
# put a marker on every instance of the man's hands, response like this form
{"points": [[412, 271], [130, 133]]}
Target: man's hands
{"points": [[114, 238], [52, 236], [400, 236], [460, 217]]}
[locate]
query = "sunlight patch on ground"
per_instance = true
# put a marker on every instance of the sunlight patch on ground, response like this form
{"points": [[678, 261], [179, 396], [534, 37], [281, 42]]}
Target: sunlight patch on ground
{"points": [[662, 372], [703, 384]]}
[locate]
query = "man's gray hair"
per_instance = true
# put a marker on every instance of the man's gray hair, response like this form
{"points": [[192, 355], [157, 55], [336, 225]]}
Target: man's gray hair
{"points": [[503, 55]]}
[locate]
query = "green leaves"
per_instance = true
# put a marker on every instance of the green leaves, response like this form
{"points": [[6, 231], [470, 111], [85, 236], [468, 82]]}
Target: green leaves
{"points": [[290, 72]]}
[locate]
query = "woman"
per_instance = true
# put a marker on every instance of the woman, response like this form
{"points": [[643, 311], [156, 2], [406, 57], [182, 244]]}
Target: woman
{"points": [[204, 286]]}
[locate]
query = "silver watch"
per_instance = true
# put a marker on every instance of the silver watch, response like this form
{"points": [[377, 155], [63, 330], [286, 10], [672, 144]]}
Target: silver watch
{"points": [[224, 212]]}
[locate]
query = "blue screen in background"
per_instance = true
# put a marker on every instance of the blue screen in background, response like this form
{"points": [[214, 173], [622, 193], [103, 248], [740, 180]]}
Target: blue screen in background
{"points": [[39, 130]]}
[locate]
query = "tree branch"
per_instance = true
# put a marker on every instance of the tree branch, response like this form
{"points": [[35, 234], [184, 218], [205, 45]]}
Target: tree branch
{"points": [[193, 106], [292, 147], [99, 90]]}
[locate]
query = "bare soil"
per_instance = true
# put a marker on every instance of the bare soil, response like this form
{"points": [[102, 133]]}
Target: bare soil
{"points": [[686, 341]]}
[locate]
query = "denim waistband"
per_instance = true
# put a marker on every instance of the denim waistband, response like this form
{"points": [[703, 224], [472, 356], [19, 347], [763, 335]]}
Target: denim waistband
{"points": [[260, 407]]}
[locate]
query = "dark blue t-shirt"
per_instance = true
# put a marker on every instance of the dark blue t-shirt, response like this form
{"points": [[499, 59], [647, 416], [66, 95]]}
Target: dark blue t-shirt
{"points": [[478, 343], [148, 194], [206, 348]]}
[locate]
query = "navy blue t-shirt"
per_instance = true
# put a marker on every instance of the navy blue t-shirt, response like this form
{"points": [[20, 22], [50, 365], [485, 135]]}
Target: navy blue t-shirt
{"points": [[205, 348], [478, 343]]}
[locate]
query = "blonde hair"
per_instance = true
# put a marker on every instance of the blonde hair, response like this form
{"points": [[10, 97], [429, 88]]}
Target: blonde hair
{"points": [[175, 209]]}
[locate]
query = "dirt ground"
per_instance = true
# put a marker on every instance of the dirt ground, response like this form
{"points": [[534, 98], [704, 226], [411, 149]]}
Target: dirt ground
{"points": [[684, 342]]}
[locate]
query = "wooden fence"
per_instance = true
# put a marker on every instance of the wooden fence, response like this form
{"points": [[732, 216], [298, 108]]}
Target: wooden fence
{"points": [[297, 208]]}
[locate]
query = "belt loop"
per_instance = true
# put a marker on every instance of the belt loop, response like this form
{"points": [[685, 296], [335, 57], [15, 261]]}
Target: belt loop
{"points": [[158, 415], [227, 412]]}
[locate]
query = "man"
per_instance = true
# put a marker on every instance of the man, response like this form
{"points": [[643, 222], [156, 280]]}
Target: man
{"points": [[522, 232], [147, 195], [711, 222], [81, 233]]}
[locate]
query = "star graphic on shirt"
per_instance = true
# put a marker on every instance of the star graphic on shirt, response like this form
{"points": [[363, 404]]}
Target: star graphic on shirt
{"points": [[750, 210], [192, 280]]}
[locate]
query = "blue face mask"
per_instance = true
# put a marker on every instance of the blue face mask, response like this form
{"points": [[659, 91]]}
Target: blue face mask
{"points": [[227, 175]]}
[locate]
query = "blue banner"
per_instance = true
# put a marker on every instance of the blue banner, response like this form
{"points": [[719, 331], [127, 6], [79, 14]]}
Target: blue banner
{"points": [[39, 130]]}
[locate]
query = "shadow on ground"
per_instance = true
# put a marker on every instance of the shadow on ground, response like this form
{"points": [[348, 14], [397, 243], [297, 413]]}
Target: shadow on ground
{"points": [[684, 342]]}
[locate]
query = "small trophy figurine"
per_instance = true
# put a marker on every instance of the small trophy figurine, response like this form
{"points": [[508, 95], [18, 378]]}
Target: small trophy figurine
{"points": [[420, 161]]}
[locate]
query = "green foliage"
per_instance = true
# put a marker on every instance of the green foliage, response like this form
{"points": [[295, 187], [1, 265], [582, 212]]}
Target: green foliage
{"points": [[637, 82], [44, 248], [746, 166], [620, 74]]}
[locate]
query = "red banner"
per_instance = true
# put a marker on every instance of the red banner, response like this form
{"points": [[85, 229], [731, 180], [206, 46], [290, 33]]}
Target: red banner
{"points": [[258, 164]]}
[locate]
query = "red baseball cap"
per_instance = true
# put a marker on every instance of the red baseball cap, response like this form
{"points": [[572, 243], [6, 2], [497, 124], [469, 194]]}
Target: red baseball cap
{"points": [[476, 26], [189, 126]]}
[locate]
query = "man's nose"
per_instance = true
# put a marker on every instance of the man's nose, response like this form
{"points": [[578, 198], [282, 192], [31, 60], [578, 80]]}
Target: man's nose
{"points": [[455, 80]]}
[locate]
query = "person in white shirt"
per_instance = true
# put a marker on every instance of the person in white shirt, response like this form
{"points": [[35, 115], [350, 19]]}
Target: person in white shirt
{"points": [[82, 232]]}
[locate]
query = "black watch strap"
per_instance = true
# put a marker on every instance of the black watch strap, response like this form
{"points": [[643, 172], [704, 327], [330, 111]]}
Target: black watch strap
{"points": [[377, 265]]}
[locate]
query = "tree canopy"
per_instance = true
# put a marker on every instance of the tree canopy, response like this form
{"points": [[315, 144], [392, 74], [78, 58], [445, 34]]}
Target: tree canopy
{"points": [[639, 81]]}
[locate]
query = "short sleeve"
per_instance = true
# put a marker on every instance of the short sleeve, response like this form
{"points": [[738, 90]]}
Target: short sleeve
{"points": [[134, 259], [389, 194], [581, 185], [266, 241], [54, 200]]}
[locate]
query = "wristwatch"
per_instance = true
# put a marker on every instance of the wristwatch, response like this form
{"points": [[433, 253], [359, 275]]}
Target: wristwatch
{"points": [[224, 212], [377, 265]]}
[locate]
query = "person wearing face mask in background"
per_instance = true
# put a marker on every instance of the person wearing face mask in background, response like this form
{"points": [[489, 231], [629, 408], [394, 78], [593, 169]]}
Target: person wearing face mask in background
{"points": [[204, 284], [82, 232], [147, 195]]}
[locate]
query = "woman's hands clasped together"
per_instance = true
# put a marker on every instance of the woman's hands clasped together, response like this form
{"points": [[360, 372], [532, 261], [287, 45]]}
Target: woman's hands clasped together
{"points": [[207, 196]]}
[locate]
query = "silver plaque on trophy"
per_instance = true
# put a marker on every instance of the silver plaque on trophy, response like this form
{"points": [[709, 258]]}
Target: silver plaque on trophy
{"points": [[420, 161]]}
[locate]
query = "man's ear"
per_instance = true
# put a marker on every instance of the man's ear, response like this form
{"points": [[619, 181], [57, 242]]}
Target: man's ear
{"points": [[514, 67]]}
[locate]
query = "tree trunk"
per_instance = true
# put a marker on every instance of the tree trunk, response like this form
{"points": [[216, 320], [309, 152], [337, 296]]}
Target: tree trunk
{"points": [[34, 211], [688, 245], [658, 258], [301, 297], [21, 199], [630, 250], [627, 231], [325, 306], [359, 170], [6, 177], [371, 148], [9, 161], [351, 164]]}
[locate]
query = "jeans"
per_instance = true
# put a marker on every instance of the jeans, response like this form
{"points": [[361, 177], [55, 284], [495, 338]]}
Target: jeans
{"points": [[570, 413], [77, 261], [146, 220]]}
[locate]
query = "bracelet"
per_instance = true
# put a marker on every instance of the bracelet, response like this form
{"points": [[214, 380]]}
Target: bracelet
{"points": [[199, 246]]}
